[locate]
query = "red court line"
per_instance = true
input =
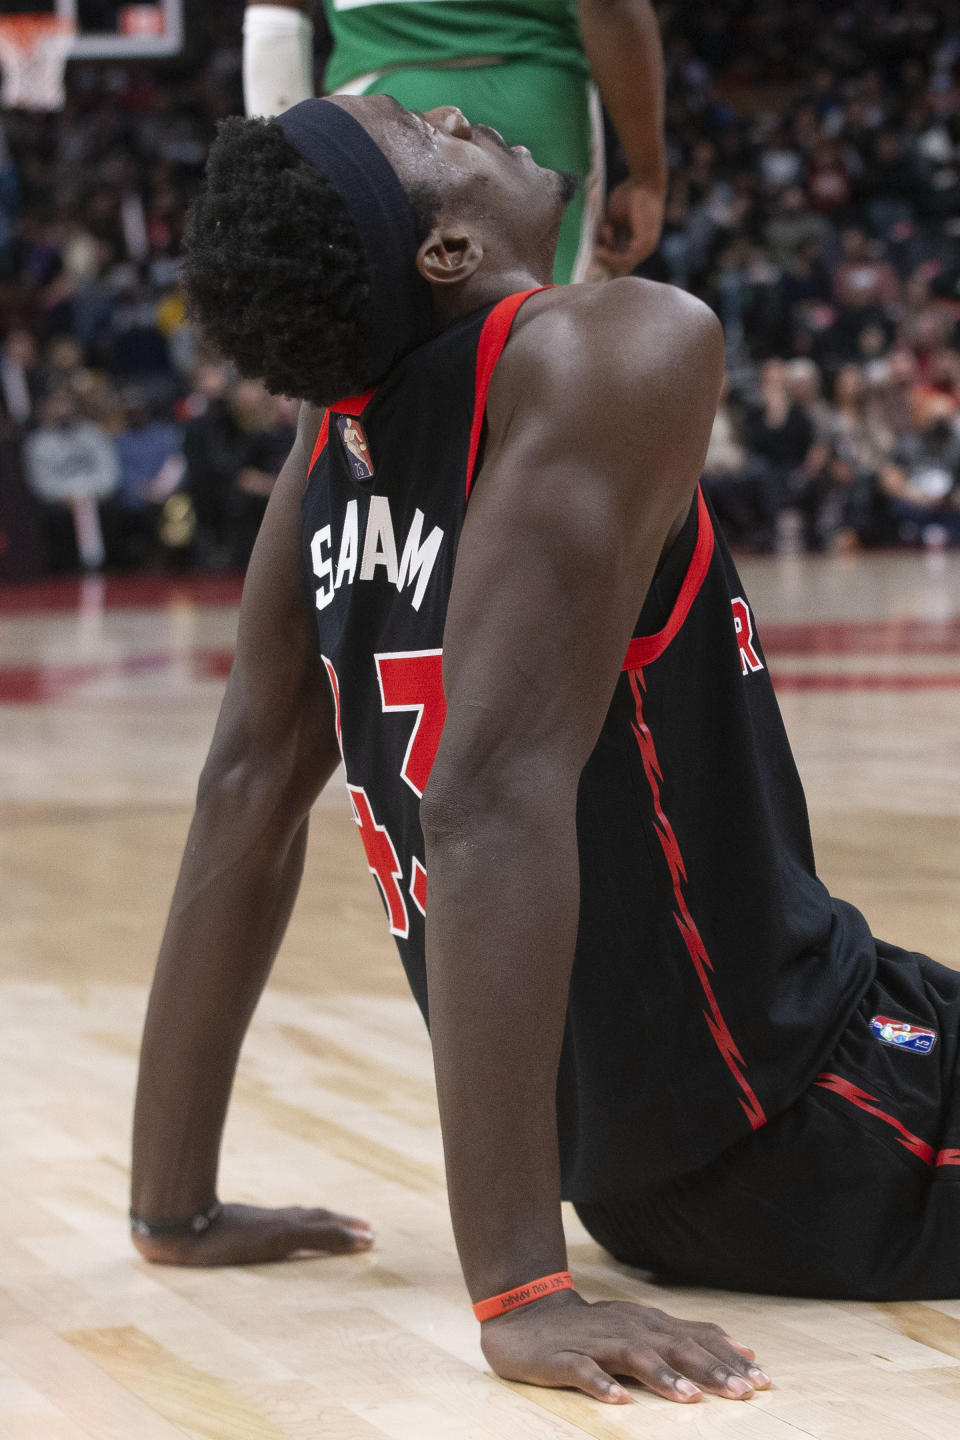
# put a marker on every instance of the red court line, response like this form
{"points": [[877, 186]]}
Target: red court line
{"points": [[843, 637], [213, 664], [115, 592], [41, 684], [831, 680], [862, 637]]}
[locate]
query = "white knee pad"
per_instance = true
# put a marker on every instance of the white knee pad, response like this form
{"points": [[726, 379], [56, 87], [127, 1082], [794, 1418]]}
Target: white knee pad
{"points": [[277, 58]]}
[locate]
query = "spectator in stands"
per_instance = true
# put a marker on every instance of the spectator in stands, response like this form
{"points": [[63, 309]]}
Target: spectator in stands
{"points": [[814, 195], [779, 433], [836, 490], [893, 397], [793, 226], [922, 480], [863, 276], [803, 388], [20, 381], [139, 352], [234, 446], [151, 466], [212, 448], [855, 430], [267, 425], [71, 466], [829, 184], [939, 391], [62, 362], [736, 481], [925, 323], [21, 541], [781, 163], [890, 186]]}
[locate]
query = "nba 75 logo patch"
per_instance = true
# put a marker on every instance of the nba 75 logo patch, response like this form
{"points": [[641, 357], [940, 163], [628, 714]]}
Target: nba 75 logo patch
{"points": [[355, 444], [903, 1036]]}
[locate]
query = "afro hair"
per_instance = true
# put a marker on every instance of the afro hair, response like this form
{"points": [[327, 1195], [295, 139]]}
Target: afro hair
{"points": [[274, 270]]}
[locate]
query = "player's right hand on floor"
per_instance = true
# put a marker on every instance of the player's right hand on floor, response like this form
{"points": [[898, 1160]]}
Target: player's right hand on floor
{"points": [[251, 1235], [563, 1341]]}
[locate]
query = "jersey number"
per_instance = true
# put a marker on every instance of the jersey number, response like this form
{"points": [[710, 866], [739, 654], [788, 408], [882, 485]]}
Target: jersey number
{"points": [[413, 680], [743, 629], [409, 680]]}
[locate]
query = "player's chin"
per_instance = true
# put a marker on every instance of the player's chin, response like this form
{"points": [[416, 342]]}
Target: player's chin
{"points": [[565, 184]]}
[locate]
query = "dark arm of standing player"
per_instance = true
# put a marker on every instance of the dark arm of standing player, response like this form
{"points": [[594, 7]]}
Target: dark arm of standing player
{"points": [[622, 43], [273, 750], [584, 479]]}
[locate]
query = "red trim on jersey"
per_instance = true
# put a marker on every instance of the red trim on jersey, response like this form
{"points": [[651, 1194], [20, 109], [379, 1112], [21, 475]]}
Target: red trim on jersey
{"points": [[948, 1157], [85, 593], [644, 649], [692, 939], [867, 1102], [335, 688], [493, 337], [354, 404], [322, 437]]}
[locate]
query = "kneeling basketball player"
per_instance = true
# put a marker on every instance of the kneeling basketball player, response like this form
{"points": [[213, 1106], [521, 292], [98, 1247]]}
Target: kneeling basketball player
{"points": [[487, 579]]}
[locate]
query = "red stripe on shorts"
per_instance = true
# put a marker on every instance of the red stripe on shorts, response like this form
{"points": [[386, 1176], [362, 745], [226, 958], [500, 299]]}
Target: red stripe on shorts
{"points": [[864, 1101]]}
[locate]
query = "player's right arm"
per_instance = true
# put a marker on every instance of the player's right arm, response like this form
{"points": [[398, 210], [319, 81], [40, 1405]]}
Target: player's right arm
{"points": [[273, 750], [598, 421]]}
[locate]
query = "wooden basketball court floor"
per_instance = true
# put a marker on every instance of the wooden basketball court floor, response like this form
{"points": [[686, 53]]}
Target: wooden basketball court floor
{"points": [[107, 697]]}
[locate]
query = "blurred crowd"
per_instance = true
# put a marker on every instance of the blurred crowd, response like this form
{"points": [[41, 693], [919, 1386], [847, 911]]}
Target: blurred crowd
{"points": [[123, 441], [814, 203]]}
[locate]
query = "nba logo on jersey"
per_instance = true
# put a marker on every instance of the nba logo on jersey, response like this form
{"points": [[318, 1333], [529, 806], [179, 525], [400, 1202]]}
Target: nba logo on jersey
{"points": [[355, 444], [903, 1036]]}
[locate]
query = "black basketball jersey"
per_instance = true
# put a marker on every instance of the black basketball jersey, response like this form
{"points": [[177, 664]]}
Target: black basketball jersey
{"points": [[713, 971]]}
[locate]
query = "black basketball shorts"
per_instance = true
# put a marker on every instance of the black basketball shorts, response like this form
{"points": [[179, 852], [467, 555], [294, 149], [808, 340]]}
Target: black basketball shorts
{"points": [[851, 1193]]}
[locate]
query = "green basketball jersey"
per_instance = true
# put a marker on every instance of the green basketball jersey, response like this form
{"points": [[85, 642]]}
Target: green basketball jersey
{"points": [[372, 35]]}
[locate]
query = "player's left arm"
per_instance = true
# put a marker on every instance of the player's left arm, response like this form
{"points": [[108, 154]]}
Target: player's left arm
{"points": [[598, 422], [274, 748], [622, 43]]}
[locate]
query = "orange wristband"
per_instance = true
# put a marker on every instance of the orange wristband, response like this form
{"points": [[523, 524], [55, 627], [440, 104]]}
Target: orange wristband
{"points": [[523, 1295]]}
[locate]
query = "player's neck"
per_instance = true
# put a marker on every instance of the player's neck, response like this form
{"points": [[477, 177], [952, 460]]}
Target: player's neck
{"points": [[482, 289]]}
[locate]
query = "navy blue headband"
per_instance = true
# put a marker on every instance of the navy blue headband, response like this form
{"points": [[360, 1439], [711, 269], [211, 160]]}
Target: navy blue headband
{"points": [[400, 312]]}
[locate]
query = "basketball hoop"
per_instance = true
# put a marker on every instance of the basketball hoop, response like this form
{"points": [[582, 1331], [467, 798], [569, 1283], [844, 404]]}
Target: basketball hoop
{"points": [[33, 56]]}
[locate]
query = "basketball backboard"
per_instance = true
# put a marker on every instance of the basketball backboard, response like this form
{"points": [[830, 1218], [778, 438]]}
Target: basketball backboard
{"points": [[114, 29]]}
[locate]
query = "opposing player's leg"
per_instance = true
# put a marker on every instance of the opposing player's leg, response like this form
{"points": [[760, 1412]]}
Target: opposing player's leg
{"points": [[552, 110], [851, 1193]]}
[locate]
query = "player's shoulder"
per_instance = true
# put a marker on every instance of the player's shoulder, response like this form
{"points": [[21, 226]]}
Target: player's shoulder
{"points": [[620, 334]]}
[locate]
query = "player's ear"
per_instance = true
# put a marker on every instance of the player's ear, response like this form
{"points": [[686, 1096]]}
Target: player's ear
{"points": [[448, 255]]}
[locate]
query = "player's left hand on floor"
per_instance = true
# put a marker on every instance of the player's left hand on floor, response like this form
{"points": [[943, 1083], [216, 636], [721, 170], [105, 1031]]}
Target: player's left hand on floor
{"points": [[564, 1342], [251, 1235]]}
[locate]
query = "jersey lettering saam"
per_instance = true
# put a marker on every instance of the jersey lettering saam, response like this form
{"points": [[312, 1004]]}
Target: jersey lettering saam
{"points": [[714, 973]]}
